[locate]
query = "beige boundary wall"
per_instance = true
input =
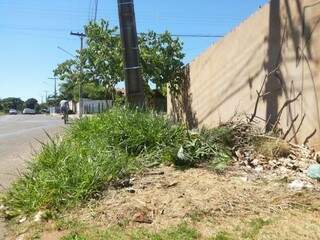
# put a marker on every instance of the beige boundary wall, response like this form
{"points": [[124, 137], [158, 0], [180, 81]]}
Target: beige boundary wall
{"points": [[283, 35]]}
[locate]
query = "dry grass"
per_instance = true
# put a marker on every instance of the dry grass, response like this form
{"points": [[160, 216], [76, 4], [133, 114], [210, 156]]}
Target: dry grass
{"points": [[272, 148], [216, 206]]}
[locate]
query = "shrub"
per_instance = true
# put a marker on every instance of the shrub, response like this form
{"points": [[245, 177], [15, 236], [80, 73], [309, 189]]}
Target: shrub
{"points": [[97, 150]]}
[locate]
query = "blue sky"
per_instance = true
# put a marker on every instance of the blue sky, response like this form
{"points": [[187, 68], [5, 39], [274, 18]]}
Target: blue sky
{"points": [[31, 31]]}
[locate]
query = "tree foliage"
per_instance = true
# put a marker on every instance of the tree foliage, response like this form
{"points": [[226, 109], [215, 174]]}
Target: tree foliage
{"points": [[102, 63], [161, 59], [31, 103], [11, 103]]}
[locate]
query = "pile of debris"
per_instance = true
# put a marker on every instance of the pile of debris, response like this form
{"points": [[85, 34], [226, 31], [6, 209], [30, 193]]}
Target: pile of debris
{"points": [[264, 156]]}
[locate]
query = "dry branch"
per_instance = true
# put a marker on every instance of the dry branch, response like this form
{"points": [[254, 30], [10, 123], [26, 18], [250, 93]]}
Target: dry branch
{"points": [[300, 124], [291, 126], [261, 95], [309, 137], [286, 104]]}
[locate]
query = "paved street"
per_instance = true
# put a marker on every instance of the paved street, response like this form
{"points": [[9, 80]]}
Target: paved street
{"points": [[18, 140]]}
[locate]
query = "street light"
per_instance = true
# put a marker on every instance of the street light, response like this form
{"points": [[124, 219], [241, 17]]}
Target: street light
{"points": [[55, 86]]}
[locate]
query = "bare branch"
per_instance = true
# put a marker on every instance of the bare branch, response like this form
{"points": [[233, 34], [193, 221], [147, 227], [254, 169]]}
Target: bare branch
{"points": [[309, 137], [286, 104], [290, 128], [300, 124], [261, 95]]}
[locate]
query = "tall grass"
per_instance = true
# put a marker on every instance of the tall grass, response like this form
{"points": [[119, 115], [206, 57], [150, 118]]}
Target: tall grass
{"points": [[97, 150]]}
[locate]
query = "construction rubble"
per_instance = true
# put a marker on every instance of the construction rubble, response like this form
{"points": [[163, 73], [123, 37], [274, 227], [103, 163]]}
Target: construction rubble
{"points": [[259, 155]]}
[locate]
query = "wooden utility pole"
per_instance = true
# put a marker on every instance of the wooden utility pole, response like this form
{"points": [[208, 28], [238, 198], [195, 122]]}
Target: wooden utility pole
{"points": [[133, 79], [82, 36]]}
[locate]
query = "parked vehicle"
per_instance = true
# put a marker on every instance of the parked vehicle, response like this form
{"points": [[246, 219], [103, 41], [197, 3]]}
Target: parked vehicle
{"points": [[29, 111], [13, 112], [45, 111]]}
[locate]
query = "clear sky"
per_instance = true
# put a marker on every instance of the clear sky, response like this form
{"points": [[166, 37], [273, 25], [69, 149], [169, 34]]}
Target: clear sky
{"points": [[32, 30]]}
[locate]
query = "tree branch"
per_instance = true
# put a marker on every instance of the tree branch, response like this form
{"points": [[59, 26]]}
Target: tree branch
{"points": [[300, 124], [259, 93], [309, 137], [291, 126], [287, 103]]}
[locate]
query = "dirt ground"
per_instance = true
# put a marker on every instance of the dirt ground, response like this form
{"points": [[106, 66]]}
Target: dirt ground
{"points": [[234, 203]]}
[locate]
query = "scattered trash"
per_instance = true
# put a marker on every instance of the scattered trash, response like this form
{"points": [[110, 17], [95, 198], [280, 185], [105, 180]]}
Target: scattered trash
{"points": [[131, 190], [38, 216], [259, 169], [181, 154], [296, 185], [314, 171], [142, 217], [21, 237], [169, 185], [23, 219]]}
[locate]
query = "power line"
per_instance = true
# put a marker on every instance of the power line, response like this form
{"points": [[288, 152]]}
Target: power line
{"points": [[14, 28], [196, 36], [65, 51]]}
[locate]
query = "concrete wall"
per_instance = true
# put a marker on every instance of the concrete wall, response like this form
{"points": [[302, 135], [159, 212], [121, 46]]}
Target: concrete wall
{"points": [[224, 79]]}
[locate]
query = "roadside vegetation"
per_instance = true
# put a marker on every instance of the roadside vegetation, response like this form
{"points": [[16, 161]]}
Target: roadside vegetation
{"points": [[97, 151]]}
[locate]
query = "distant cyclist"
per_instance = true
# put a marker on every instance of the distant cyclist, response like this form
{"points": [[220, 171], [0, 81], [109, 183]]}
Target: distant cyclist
{"points": [[64, 109]]}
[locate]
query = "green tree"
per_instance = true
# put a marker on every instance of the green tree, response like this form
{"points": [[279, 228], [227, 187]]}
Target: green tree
{"points": [[69, 74], [102, 63], [12, 103], [161, 59], [31, 103], [103, 56]]}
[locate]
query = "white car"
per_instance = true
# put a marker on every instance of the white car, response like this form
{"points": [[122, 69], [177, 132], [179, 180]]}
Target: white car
{"points": [[13, 112], [29, 111]]}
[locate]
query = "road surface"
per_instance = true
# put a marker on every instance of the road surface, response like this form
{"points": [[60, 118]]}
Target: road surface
{"points": [[19, 136]]}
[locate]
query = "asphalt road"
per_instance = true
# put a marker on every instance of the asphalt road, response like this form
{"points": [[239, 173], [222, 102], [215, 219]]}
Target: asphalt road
{"points": [[19, 139]]}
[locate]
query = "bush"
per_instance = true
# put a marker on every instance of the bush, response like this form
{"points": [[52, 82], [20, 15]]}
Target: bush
{"points": [[206, 146], [97, 150]]}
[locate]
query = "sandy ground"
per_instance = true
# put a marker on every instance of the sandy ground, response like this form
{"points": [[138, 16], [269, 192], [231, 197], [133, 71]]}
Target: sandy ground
{"points": [[234, 203], [19, 136]]}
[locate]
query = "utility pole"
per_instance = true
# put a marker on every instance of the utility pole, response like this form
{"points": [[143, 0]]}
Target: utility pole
{"points": [[55, 86], [82, 36], [133, 79], [46, 96]]}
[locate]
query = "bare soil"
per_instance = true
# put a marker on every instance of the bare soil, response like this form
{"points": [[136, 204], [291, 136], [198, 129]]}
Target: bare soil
{"points": [[210, 202]]}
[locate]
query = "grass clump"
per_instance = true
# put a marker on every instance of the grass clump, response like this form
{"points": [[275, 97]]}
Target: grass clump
{"points": [[271, 147], [206, 146], [222, 236], [180, 232], [255, 226], [97, 150]]}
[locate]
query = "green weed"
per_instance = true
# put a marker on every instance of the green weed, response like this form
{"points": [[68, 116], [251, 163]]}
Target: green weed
{"points": [[181, 232], [222, 236], [255, 226], [111, 146]]}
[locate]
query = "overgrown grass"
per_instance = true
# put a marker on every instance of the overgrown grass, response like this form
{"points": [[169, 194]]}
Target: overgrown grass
{"points": [[255, 226], [181, 232], [95, 151]]}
